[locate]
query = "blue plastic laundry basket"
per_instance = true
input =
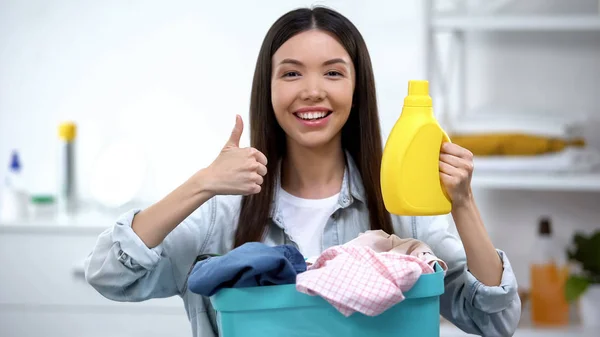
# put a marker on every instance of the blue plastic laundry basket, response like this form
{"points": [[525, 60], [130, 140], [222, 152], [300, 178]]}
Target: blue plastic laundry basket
{"points": [[275, 311]]}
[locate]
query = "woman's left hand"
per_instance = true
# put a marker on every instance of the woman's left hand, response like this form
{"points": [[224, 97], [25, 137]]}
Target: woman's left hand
{"points": [[456, 170]]}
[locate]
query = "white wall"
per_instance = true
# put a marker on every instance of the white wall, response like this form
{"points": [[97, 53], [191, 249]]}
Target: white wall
{"points": [[171, 76]]}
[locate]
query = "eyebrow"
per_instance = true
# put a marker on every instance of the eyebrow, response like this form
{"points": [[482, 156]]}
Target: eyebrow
{"points": [[326, 63]]}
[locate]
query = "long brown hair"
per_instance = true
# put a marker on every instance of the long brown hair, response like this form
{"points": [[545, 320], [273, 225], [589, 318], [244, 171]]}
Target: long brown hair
{"points": [[361, 135]]}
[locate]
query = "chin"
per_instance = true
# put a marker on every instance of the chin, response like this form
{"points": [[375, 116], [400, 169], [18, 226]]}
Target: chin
{"points": [[314, 140]]}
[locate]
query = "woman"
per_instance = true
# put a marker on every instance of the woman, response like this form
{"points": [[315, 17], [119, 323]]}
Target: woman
{"points": [[310, 179]]}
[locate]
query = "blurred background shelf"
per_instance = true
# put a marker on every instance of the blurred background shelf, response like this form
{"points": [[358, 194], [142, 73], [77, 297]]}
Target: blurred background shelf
{"points": [[588, 182], [59, 226], [91, 219], [517, 23], [448, 330]]}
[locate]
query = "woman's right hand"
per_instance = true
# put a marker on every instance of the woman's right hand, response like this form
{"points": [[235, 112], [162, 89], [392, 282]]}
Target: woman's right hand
{"points": [[236, 170]]}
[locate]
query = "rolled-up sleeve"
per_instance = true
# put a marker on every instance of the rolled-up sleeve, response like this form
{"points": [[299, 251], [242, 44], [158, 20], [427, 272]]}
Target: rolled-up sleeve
{"points": [[493, 299], [138, 254], [479, 309], [469, 304], [122, 268]]}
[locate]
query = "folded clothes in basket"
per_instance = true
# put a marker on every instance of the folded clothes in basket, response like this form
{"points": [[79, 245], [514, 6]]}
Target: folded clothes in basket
{"points": [[381, 241], [250, 265], [368, 274]]}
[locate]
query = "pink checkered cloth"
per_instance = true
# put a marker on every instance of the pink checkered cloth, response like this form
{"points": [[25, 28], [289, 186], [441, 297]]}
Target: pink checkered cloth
{"points": [[358, 279]]}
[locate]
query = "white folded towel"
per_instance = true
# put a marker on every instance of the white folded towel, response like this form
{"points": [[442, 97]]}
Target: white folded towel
{"points": [[568, 160]]}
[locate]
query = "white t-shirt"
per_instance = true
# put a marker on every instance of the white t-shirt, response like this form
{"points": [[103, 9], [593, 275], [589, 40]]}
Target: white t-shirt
{"points": [[305, 220]]}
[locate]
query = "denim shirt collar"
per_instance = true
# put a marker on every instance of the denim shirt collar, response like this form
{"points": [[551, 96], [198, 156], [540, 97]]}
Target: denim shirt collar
{"points": [[352, 187]]}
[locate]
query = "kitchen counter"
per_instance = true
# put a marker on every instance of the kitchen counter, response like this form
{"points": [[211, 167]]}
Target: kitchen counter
{"points": [[43, 282]]}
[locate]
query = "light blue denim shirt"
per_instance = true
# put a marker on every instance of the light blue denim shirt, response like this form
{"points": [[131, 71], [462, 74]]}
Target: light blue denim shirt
{"points": [[122, 268]]}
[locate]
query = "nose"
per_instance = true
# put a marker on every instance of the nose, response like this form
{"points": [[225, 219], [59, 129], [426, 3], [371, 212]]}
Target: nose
{"points": [[313, 91]]}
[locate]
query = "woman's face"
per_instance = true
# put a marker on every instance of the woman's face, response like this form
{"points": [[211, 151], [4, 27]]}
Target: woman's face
{"points": [[311, 88]]}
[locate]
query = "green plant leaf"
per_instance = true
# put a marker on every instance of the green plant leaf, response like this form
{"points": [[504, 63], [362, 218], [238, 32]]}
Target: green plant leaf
{"points": [[585, 250], [575, 286]]}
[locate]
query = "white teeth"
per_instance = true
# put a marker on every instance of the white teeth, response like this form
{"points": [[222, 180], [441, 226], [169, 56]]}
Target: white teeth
{"points": [[311, 115]]}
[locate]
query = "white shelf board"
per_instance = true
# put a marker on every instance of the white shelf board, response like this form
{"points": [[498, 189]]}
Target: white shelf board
{"points": [[85, 223], [585, 182], [448, 330], [518, 23]]}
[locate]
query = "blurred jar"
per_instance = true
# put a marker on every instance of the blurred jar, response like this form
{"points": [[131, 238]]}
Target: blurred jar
{"points": [[43, 207], [548, 273]]}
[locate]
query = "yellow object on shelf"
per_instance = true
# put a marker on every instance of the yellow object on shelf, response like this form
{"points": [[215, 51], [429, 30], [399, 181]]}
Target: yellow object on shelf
{"points": [[513, 144], [67, 131], [68, 192], [410, 177]]}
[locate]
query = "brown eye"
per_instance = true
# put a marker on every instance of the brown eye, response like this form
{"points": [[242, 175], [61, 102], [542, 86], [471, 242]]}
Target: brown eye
{"points": [[291, 74]]}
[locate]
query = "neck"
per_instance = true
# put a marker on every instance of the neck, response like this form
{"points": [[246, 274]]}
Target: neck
{"points": [[313, 173]]}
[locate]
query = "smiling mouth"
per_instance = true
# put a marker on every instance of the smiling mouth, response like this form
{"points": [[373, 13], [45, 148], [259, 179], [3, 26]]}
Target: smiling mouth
{"points": [[312, 116]]}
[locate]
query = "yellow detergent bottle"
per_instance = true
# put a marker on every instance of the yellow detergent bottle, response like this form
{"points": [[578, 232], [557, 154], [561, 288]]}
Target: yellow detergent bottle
{"points": [[410, 176]]}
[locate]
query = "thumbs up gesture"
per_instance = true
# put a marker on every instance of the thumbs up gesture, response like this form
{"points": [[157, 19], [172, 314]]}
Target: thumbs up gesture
{"points": [[237, 170]]}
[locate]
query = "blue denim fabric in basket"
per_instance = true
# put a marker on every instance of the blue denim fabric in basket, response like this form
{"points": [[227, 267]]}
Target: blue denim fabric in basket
{"points": [[250, 265]]}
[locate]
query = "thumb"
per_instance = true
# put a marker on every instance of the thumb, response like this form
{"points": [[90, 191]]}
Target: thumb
{"points": [[236, 133]]}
